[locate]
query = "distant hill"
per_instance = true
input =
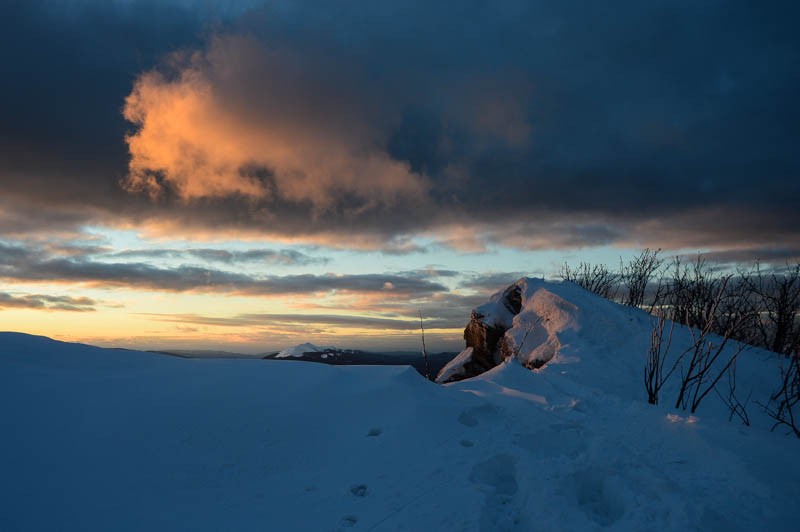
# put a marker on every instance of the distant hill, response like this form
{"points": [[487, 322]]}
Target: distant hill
{"points": [[353, 357], [308, 352]]}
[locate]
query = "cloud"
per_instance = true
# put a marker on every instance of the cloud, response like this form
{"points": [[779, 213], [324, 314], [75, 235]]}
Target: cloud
{"points": [[291, 134], [18, 263], [321, 320], [285, 257], [450, 308], [517, 124], [46, 302], [747, 256], [492, 281], [714, 227]]}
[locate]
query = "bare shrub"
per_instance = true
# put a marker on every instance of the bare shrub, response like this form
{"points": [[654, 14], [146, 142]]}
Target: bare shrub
{"points": [[739, 310], [702, 365], [752, 306], [731, 399], [778, 325], [637, 274], [693, 292], [595, 278], [654, 376], [425, 350], [701, 376], [782, 406]]}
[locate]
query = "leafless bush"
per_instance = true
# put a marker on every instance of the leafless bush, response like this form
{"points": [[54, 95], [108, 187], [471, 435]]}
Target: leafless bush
{"points": [[753, 306], [425, 350], [637, 274], [782, 406], [654, 376], [693, 292], [702, 364], [595, 278], [778, 326], [739, 310], [702, 374], [731, 399]]}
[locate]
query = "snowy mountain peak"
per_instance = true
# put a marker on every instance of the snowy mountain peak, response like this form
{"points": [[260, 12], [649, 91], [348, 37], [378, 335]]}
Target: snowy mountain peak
{"points": [[300, 349]]}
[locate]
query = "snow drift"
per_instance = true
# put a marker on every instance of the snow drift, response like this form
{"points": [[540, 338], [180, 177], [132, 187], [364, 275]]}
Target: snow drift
{"points": [[538, 322]]}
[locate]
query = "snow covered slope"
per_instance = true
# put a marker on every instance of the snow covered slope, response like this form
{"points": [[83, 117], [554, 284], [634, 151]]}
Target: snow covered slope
{"points": [[97, 439], [587, 342]]}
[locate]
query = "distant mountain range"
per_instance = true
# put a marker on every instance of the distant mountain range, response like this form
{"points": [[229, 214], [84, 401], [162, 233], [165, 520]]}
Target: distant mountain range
{"points": [[308, 352]]}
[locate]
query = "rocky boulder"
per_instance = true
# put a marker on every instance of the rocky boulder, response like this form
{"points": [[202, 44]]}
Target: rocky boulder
{"points": [[522, 321], [487, 325]]}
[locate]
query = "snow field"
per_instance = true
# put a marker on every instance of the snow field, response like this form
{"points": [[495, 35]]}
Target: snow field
{"points": [[98, 439]]}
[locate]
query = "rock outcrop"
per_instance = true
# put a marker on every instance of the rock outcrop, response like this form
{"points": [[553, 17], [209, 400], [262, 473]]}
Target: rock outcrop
{"points": [[484, 332], [522, 321]]}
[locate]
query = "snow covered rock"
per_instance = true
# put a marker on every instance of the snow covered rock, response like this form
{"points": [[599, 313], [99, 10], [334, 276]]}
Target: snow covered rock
{"points": [[523, 321], [487, 325]]}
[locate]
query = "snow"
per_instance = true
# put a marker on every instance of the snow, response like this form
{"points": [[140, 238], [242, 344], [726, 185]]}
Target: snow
{"points": [[98, 439], [455, 367], [544, 318], [300, 349]]}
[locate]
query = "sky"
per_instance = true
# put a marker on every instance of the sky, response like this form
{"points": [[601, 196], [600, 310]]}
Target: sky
{"points": [[199, 174]]}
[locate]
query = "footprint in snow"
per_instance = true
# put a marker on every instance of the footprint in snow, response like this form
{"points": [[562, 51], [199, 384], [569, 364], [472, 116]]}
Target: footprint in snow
{"points": [[501, 510], [471, 417], [348, 521], [498, 472], [601, 494], [359, 490]]}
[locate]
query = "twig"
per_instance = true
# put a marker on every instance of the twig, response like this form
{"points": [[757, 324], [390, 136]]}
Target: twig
{"points": [[424, 350]]}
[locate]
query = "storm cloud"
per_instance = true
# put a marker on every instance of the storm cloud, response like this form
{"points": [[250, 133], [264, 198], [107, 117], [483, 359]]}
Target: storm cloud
{"points": [[529, 125]]}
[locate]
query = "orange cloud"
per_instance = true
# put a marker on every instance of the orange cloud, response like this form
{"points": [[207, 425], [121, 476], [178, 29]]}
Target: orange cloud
{"points": [[241, 120]]}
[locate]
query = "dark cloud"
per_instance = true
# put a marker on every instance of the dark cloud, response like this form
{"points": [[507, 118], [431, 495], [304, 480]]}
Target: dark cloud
{"points": [[491, 282], [18, 263], [285, 257], [527, 124], [46, 302], [747, 256], [429, 272]]}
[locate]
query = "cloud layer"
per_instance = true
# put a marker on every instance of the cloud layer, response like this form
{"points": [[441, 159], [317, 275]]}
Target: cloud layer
{"points": [[46, 302], [31, 264], [524, 124]]}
